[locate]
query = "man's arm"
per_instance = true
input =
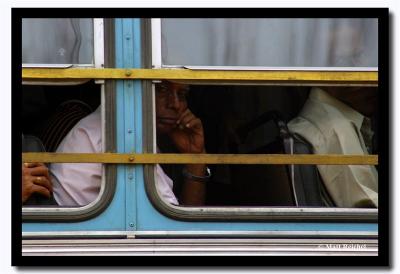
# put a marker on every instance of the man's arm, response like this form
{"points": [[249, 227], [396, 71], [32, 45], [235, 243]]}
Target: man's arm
{"points": [[188, 137], [194, 190]]}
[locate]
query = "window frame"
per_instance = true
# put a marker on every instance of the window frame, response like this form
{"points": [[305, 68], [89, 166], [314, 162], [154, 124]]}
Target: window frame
{"points": [[104, 54], [205, 213], [157, 58], [208, 213], [98, 50]]}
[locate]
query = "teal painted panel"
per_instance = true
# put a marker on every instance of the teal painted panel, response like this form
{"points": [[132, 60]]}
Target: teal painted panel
{"points": [[130, 204], [129, 103]]}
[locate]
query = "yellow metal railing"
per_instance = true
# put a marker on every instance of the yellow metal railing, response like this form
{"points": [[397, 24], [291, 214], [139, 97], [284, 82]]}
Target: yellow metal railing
{"points": [[120, 158], [294, 77]]}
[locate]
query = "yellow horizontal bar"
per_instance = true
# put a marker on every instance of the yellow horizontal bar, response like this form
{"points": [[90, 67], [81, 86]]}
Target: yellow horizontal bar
{"points": [[118, 158], [342, 77]]}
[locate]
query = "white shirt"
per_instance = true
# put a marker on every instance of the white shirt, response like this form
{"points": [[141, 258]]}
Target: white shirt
{"points": [[78, 184], [332, 127]]}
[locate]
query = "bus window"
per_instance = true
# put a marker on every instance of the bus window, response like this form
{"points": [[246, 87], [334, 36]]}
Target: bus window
{"points": [[223, 110], [48, 115], [229, 111], [275, 43], [57, 41], [51, 108], [226, 113], [303, 44]]}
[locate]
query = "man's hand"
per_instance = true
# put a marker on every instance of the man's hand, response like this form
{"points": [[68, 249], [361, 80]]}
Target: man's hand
{"points": [[188, 135], [35, 179]]}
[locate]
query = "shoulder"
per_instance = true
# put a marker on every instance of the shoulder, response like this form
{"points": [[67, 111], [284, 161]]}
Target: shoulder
{"points": [[328, 131], [85, 136], [320, 116], [315, 124], [91, 123]]}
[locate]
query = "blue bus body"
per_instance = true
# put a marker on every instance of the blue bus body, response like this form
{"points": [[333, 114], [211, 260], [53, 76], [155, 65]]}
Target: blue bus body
{"points": [[131, 219]]}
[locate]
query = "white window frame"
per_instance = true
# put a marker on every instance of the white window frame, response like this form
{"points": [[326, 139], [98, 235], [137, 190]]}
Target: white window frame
{"points": [[231, 211], [157, 58], [98, 50], [99, 59]]}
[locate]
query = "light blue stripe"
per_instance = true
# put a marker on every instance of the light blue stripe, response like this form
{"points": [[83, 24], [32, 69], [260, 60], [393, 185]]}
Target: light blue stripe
{"points": [[129, 102]]}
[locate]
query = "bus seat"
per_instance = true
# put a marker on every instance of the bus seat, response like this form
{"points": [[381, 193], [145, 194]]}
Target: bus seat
{"points": [[298, 185], [32, 143], [65, 117]]}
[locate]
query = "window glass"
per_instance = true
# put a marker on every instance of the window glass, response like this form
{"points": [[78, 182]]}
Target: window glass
{"points": [[63, 119], [280, 42], [57, 41], [267, 120]]}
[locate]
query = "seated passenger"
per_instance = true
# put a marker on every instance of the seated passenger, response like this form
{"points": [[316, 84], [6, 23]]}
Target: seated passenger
{"points": [[335, 121], [79, 184]]}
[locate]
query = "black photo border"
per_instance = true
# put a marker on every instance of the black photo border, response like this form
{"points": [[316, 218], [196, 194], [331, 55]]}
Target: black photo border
{"points": [[385, 122]]}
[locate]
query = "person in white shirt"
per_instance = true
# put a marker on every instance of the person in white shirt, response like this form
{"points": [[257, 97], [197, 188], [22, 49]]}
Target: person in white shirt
{"points": [[79, 184], [333, 121]]}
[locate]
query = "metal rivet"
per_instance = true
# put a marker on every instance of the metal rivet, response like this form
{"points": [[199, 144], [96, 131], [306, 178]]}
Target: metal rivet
{"points": [[128, 73], [129, 130], [131, 224], [128, 37], [131, 159], [130, 176]]}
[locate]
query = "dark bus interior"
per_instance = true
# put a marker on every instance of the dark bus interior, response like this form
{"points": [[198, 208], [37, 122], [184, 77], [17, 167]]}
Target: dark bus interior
{"points": [[50, 111], [226, 112], [235, 121]]}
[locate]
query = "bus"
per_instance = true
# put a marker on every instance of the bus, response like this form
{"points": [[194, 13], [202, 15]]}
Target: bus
{"points": [[249, 79]]}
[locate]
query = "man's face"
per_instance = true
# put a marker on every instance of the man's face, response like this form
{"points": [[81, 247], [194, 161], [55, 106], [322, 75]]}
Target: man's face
{"points": [[170, 104]]}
